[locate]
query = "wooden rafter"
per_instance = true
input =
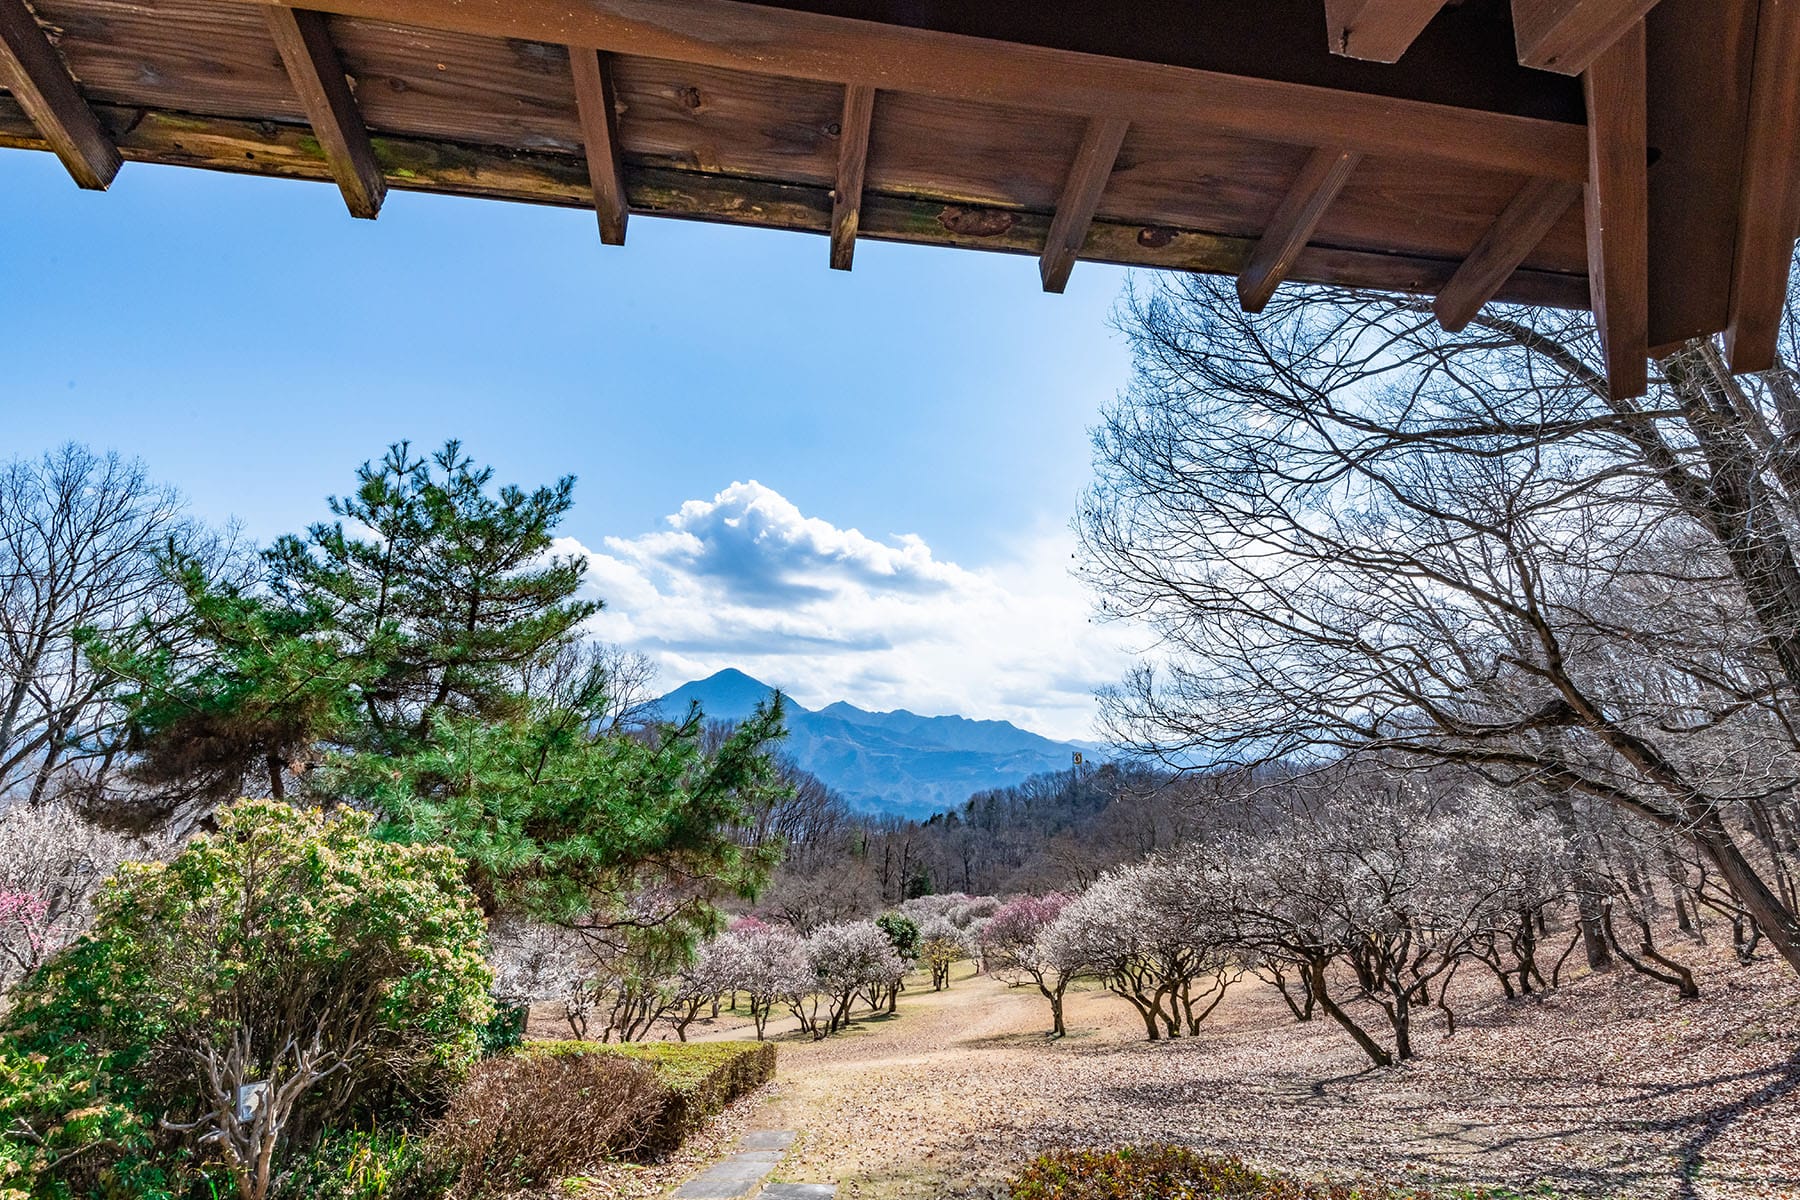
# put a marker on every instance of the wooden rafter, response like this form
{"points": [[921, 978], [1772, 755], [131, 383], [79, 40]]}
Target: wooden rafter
{"points": [[1518, 230], [1618, 210], [853, 161], [1769, 198], [812, 46], [1092, 167], [1291, 228], [1567, 36], [494, 173], [33, 71], [598, 108], [318, 77], [1377, 30]]}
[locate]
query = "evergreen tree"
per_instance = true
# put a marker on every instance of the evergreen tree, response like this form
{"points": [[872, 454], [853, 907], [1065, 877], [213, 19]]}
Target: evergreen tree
{"points": [[238, 687], [570, 825], [448, 585]]}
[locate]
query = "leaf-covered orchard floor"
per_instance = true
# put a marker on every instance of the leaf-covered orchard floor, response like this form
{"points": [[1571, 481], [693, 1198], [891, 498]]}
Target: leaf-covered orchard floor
{"points": [[1612, 1088]]}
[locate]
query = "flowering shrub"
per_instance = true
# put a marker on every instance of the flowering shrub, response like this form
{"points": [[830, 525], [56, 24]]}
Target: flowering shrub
{"points": [[52, 862], [289, 949], [764, 963], [1177, 1173]]}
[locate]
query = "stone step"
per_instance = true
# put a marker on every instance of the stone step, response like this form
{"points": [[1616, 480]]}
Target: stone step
{"points": [[741, 1175]]}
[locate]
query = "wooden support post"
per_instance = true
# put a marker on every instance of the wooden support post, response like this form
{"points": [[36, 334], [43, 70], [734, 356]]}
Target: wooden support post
{"points": [[1080, 198], [1618, 211], [1526, 221], [853, 160], [1566, 36], [318, 77], [1321, 179], [33, 71], [1769, 196], [1377, 30], [597, 104]]}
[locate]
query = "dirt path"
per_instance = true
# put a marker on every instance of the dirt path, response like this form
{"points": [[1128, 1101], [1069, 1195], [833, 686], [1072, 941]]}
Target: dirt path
{"points": [[1610, 1089]]}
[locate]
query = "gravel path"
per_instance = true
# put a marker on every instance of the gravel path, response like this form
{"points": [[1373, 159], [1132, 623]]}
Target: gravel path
{"points": [[1612, 1088]]}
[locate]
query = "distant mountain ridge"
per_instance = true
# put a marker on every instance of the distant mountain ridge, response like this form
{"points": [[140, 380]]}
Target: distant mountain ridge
{"points": [[891, 762]]}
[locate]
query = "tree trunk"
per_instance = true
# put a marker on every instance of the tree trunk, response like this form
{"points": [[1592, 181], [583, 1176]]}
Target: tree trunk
{"points": [[1777, 922], [1370, 1047]]}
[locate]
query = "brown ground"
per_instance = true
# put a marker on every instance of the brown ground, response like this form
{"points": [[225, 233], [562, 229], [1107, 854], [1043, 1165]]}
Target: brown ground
{"points": [[1611, 1088]]}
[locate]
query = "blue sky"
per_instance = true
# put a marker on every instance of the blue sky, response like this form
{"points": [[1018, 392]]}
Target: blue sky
{"points": [[908, 440]]}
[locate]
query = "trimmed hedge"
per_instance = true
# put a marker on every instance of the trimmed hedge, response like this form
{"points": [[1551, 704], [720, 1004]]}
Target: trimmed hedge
{"points": [[701, 1078], [1177, 1173]]}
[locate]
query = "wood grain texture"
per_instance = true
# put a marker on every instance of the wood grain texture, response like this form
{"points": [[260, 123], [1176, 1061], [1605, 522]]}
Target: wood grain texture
{"points": [[1769, 197], [1566, 36], [1291, 228], [452, 168], [1618, 216], [813, 46], [312, 63], [1533, 213], [1701, 56], [1088, 175], [1377, 30], [32, 70], [853, 162], [598, 106]]}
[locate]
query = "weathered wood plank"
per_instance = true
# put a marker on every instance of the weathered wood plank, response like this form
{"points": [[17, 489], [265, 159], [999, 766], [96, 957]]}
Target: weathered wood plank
{"points": [[1324, 175], [853, 162], [1088, 175], [1537, 208], [804, 45], [1567, 36], [451, 168], [599, 108], [1769, 198], [1618, 211], [32, 70], [1701, 56], [312, 63], [1377, 30]]}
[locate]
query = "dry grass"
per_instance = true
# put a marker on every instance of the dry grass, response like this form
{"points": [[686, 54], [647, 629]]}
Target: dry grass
{"points": [[1612, 1088]]}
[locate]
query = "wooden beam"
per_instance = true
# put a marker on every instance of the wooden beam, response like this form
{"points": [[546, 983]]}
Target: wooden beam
{"points": [[792, 44], [597, 106], [318, 76], [1088, 175], [1702, 57], [419, 164], [1291, 228], [1618, 210], [1377, 30], [1769, 197], [1567, 36], [853, 160], [33, 71], [1526, 221]]}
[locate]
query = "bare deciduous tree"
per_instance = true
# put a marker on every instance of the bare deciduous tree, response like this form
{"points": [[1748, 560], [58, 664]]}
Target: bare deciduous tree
{"points": [[1356, 533]]}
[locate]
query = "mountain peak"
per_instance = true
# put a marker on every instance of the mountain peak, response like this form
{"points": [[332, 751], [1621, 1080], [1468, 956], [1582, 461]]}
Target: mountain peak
{"points": [[895, 761], [728, 695]]}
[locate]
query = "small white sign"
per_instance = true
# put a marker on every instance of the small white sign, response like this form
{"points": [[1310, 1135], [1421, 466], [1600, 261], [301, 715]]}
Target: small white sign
{"points": [[250, 1100]]}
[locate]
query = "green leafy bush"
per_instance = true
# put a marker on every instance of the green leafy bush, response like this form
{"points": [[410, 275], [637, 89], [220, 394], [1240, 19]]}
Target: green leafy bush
{"points": [[67, 1133], [1177, 1173], [372, 1164], [289, 946]]}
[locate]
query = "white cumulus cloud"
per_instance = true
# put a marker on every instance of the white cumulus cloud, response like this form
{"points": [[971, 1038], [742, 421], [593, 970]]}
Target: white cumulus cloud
{"points": [[747, 580]]}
